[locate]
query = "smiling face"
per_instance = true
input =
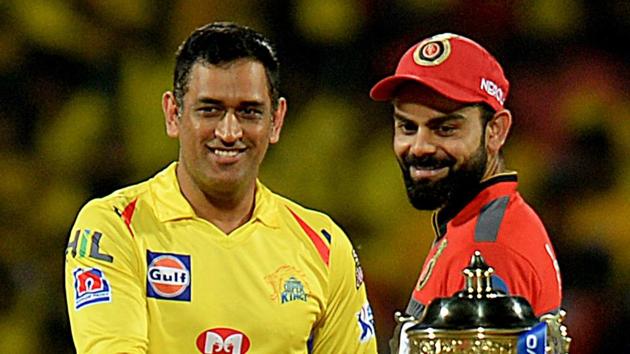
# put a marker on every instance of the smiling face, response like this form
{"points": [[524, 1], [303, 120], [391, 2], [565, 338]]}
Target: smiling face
{"points": [[440, 146], [224, 126]]}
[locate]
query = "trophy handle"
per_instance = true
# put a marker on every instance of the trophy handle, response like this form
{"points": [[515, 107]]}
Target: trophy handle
{"points": [[557, 337], [399, 343]]}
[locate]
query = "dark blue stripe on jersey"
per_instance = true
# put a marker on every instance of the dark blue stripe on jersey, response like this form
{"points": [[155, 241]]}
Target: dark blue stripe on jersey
{"points": [[500, 284], [309, 344], [487, 229], [414, 308], [327, 235]]}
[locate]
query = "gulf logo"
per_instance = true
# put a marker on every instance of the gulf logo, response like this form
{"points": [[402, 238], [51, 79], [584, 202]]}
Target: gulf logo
{"points": [[222, 341], [168, 276]]}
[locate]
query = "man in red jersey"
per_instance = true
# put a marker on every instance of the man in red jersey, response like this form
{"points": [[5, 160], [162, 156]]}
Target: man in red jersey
{"points": [[450, 124]]}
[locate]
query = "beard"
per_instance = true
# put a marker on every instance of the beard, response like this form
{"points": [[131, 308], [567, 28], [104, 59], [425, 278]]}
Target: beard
{"points": [[459, 184]]}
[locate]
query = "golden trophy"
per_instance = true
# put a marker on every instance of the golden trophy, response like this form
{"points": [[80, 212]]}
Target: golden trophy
{"points": [[480, 319]]}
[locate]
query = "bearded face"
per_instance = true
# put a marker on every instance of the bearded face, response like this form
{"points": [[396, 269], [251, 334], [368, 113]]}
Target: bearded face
{"points": [[460, 181], [440, 146]]}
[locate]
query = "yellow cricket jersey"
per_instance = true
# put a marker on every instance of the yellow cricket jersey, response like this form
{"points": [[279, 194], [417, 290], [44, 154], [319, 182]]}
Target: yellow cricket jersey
{"points": [[144, 274]]}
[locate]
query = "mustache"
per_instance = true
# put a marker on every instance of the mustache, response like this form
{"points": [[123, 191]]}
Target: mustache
{"points": [[427, 162], [219, 144]]}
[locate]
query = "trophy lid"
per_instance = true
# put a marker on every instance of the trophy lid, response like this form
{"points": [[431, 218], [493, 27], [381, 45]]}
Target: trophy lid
{"points": [[477, 305]]}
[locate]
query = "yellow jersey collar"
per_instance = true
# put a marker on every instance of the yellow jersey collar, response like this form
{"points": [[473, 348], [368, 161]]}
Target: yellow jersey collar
{"points": [[170, 203], [266, 207]]}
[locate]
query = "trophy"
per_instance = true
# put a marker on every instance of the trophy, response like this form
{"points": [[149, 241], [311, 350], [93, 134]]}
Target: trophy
{"points": [[480, 319]]}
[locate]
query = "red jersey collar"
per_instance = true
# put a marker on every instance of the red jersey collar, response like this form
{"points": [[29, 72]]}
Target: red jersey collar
{"points": [[489, 189]]}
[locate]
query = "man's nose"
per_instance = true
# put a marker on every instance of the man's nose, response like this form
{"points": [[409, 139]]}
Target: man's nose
{"points": [[423, 143], [229, 128]]}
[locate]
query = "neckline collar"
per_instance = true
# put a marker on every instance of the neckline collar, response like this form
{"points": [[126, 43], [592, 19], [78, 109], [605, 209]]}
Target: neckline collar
{"points": [[170, 204], [488, 189]]}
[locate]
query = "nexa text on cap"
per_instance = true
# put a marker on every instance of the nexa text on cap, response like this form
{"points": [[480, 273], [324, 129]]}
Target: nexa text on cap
{"points": [[452, 65]]}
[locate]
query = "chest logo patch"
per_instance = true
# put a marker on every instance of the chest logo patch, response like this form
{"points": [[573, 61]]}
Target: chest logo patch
{"points": [[288, 284], [168, 276], [428, 268], [293, 290], [222, 341]]}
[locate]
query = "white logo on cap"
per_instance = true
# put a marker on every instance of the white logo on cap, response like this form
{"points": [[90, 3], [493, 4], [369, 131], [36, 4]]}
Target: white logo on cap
{"points": [[492, 89]]}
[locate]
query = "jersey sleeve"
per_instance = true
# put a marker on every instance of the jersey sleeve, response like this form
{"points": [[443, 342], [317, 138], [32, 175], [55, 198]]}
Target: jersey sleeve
{"points": [[104, 289], [348, 323]]}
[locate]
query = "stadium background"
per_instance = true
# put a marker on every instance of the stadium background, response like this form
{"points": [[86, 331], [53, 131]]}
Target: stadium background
{"points": [[80, 86]]}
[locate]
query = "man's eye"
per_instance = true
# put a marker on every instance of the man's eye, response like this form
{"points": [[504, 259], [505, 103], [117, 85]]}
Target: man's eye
{"points": [[446, 130], [250, 113], [210, 111], [406, 127]]}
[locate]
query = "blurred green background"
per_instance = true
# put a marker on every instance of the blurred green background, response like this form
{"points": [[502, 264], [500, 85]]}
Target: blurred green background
{"points": [[80, 87]]}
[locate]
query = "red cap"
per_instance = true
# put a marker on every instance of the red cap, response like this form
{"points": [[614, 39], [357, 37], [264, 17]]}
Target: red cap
{"points": [[452, 65]]}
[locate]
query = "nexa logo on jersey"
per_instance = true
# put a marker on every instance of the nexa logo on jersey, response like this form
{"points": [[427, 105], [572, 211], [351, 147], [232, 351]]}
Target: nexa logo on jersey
{"points": [[168, 276], [222, 341]]}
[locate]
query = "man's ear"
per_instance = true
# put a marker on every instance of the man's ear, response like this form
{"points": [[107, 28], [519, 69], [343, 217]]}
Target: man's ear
{"points": [[171, 114], [497, 131], [278, 120]]}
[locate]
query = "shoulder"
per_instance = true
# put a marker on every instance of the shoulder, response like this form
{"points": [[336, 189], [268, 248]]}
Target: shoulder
{"points": [[521, 220], [508, 219], [114, 209], [317, 225], [117, 201], [292, 211], [508, 225]]}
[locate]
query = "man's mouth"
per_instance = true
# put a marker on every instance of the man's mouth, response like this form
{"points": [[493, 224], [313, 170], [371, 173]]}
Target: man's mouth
{"points": [[226, 153], [420, 172]]}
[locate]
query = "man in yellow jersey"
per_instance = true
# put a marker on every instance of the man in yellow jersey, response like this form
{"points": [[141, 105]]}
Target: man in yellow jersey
{"points": [[202, 257]]}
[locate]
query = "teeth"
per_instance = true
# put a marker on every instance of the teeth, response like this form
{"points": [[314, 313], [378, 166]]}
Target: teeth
{"points": [[226, 153]]}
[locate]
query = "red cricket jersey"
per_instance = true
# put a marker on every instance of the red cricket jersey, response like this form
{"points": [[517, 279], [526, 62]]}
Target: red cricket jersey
{"points": [[510, 237]]}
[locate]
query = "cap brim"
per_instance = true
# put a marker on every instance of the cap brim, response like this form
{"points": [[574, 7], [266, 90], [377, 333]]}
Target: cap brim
{"points": [[385, 89]]}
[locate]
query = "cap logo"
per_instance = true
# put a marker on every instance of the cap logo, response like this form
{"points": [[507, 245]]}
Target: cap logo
{"points": [[432, 51], [493, 90]]}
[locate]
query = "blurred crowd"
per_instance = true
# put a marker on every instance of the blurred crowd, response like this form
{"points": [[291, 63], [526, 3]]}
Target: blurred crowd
{"points": [[80, 86]]}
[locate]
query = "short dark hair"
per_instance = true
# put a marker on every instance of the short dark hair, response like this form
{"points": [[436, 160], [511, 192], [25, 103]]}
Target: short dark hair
{"points": [[220, 43], [487, 112]]}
